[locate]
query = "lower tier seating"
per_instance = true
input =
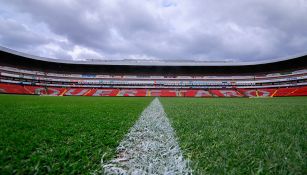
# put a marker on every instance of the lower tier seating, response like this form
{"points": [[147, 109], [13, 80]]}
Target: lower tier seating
{"points": [[55, 91]]}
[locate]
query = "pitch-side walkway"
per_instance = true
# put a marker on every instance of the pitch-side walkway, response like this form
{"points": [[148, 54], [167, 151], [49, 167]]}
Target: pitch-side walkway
{"points": [[149, 148]]}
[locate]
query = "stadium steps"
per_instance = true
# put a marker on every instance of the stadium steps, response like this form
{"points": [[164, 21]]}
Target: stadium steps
{"points": [[257, 93], [62, 94], [182, 93], [178, 93], [241, 94], [148, 93], [292, 92], [274, 93], [27, 90], [85, 94], [117, 94]]}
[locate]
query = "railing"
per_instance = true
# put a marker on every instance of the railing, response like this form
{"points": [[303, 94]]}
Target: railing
{"points": [[39, 75]]}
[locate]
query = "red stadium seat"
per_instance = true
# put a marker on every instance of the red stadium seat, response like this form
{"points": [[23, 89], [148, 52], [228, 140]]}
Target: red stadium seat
{"points": [[282, 92], [76, 91], [226, 93], [257, 92], [55, 91], [302, 91], [195, 93], [163, 93], [103, 92], [13, 89], [132, 92]]}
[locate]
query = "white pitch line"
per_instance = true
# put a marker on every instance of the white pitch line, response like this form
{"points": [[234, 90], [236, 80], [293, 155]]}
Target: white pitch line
{"points": [[149, 148]]}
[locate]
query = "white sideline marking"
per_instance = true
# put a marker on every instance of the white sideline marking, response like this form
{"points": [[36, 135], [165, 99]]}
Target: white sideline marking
{"points": [[149, 148]]}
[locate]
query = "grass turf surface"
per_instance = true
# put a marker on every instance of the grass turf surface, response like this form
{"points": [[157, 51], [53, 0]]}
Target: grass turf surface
{"points": [[68, 135], [241, 136], [62, 135]]}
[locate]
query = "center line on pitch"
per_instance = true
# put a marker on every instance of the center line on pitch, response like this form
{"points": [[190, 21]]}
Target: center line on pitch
{"points": [[150, 147]]}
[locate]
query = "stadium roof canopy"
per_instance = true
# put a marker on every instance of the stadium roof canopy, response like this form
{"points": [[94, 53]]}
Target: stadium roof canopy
{"points": [[15, 58]]}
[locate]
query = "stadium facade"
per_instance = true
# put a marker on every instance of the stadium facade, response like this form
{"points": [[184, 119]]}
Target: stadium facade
{"points": [[26, 74]]}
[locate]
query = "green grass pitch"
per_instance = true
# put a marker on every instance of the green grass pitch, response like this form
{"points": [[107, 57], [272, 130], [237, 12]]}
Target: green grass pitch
{"points": [[62, 135], [242, 136], [69, 135]]}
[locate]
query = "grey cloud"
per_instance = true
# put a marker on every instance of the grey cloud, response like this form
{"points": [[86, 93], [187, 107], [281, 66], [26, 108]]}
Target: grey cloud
{"points": [[14, 34], [160, 29]]}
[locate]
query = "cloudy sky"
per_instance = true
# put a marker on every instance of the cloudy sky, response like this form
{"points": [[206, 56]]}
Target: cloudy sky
{"points": [[244, 30]]}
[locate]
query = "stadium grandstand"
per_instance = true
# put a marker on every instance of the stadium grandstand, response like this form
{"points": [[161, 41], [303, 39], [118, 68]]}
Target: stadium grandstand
{"points": [[156, 87], [26, 74]]}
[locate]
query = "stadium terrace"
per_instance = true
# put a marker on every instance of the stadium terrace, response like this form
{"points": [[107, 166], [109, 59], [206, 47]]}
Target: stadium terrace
{"points": [[127, 131], [26, 74]]}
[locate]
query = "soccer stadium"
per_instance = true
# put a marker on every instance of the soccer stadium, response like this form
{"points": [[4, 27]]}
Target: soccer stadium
{"points": [[26, 74], [148, 115], [266, 120]]}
